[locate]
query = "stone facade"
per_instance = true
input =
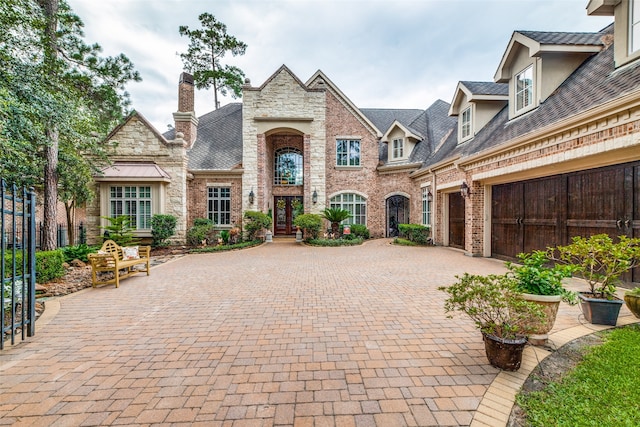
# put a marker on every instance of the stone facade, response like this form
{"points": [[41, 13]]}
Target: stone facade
{"points": [[136, 140]]}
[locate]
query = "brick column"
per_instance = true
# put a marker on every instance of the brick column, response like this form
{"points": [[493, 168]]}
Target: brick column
{"points": [[306, 158], [261, 196], [474, 220]]}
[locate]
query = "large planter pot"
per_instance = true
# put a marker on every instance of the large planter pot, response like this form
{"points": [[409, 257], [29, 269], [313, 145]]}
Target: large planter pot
{"points": [[541, 327], [504, 353], [600, 311], [633, 304]]}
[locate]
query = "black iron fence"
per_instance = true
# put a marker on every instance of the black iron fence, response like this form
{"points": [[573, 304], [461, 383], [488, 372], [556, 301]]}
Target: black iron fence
{"points": [[18, 266], [15, 238]]}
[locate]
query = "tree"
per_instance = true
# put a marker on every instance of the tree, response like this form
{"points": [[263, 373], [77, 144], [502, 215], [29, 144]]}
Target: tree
{"points": [[207, 47], [335, 216], [55, 92]]}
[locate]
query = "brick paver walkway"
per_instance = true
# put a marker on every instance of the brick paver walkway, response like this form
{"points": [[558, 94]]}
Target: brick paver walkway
{"points": [[281, 334]]}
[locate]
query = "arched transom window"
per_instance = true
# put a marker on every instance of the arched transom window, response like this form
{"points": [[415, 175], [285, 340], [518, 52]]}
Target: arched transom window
{"points": [[288, 167], [355, 204]]}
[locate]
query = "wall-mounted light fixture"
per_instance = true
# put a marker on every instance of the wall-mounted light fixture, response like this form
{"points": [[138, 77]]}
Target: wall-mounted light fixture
{"points": [[429, 196], [314, 197], [465, 191], [252, 197]]}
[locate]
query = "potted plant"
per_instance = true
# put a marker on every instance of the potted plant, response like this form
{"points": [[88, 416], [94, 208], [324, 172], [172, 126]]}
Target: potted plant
{"points": [[335, 216], [632, 300], [601, 262], [541, 282], [499, 311]]}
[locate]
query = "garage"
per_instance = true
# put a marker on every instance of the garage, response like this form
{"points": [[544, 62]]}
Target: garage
{"points": [[549, 211]]}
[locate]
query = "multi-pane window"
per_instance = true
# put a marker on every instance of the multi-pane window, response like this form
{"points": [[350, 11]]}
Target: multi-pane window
{"points": [[524, 88], [465, 125], [355, 204], [348, 152], [132, 201], [397, 148], [219, 205], [426, 206], [288, 168], [634, 25]]}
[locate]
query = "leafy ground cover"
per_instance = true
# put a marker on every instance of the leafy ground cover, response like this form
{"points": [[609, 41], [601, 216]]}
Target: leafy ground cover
{"points": [[601, 390]]}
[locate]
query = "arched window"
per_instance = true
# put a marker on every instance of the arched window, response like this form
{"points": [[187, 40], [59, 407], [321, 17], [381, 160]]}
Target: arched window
{"points": [[355, 204], [288, 167]]}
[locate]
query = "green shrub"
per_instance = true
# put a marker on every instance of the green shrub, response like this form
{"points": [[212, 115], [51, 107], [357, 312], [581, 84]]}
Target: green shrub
{"points": [[224, 235], [78, 252], [162, 227], [415, 232], [223, 248], [360, 230], [120, 231], [311, 224], [335, 242], [49, 265], [404, 242], [199, 233], [202, 221], [254, 222]]}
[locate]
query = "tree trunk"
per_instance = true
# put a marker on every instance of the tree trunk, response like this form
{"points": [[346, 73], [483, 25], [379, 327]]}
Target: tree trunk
{"points": [[50, 9]]}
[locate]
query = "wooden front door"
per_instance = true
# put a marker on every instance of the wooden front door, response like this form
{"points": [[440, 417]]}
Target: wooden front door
{"points": [[287, 207], [456, 220]]}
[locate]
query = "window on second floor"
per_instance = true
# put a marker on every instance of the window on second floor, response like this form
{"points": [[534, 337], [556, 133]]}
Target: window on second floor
{"points": [[465, 125], [288, 168], [524, 88], [634, 26], [348, 152], [397, 148]]}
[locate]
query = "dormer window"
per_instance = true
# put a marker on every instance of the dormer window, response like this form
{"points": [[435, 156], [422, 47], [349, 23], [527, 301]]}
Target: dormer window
{"points": [[398, 148], [465, 124], [524, 88], [634, 26]]}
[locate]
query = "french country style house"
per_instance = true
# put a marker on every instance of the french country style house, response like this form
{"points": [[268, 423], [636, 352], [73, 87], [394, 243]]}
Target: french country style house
{"points": [[548, 150]]}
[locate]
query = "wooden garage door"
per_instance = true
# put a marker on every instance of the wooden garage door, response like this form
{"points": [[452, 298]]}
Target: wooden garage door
{"points": [[545, 212]]}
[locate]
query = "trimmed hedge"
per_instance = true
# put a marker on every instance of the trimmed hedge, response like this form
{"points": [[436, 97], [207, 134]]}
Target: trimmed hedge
{"points": [[310, 224], [415, 233], [360, 230], [49, 265]]}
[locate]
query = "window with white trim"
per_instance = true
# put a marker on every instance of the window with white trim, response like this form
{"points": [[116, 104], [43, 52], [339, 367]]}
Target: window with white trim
{"points": [[132, 201], [634, 26], [426, 206], [465, 124], [355, 204], [219, 205], [348, 152], [397, 148], [524, 88]]}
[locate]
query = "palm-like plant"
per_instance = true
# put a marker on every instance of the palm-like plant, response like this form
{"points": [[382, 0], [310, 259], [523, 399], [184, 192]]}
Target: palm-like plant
{"points": [[335, 216]]}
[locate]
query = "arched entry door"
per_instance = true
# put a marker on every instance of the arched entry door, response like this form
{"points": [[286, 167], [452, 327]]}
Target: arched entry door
{"points": [[397, 213]]}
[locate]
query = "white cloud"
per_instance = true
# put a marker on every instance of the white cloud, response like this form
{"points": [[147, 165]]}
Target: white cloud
{"points": [[385, 54]]}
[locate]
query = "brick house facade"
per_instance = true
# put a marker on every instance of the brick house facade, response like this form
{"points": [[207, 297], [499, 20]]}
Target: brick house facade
{"points": [[561, 106]]}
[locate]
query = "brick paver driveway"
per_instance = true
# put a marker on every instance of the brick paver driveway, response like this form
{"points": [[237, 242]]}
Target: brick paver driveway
{"points": [[281, 334]]}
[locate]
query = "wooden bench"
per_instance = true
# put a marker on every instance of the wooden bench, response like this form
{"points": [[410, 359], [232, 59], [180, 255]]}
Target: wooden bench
{"points": [[110, 259]]}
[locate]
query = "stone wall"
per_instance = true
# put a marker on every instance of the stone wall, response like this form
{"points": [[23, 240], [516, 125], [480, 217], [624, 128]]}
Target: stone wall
{"points": [[137, 141]]}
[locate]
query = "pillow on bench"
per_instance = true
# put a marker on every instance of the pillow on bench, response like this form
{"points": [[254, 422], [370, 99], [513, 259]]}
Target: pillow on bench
{"points": [[130, 252]]}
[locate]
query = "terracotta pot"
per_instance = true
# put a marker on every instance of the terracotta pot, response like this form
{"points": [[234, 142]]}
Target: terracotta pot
{"points": [[600, 311], [541, 328], [633, 304], [504, 353]]}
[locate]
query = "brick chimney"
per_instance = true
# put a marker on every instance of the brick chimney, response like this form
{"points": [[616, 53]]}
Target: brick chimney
{"points": [[185, 118]]}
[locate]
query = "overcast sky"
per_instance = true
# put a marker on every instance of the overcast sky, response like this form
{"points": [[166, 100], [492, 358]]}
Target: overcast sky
{"points": [[380, 53]]}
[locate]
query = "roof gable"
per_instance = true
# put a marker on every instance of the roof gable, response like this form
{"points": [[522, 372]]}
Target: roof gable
{"points": [[477, 91], [133, 116], [540, 42], [320, 80]]}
